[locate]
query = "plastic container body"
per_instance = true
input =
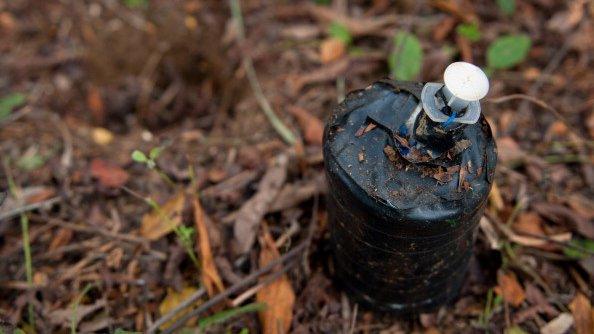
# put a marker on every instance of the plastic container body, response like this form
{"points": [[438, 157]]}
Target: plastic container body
{"points": [[402, 232]]}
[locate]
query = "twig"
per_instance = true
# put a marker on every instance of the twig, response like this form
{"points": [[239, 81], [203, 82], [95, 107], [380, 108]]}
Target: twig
{"points": [[237, 287], [30, 207], [171, 314], [92, 230], [550, 68], [538, 102], [252, 291], [248, 65]]}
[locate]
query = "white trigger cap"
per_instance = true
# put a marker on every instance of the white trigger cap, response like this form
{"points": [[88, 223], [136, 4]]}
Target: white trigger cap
{"points": [[466, 81]]}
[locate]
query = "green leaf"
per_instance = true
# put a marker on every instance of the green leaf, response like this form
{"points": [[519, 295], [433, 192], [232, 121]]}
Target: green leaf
{"points": [[223, 316], [407, 56], [123, 331], [470, 31], [577, 253], [323, 2], [186, 233], [515, 330], [244, 331], [138, 156], [155, 152], [340, 32], [9, 102], [136, 3], [508, 51], [31, 162], [508, 7]]}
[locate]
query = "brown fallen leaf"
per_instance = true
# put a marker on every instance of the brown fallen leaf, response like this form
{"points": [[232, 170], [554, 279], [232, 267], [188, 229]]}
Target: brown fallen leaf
{"points": [[560, 325], [559, 213], [529, 223], [210, 276], [508, 150], [108, 175], [312, 127], [160, 222], [582, 314], [277, 295], [509, 288], [171, 300], [331, 49], [95, 104], [249, 216]]}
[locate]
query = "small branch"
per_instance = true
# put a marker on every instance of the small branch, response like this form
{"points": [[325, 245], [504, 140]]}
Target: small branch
{"points": [[30, 207], [171, 314], [237, 287]]}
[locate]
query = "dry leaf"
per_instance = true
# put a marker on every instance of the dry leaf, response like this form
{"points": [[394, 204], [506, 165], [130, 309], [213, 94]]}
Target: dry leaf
{"points": [[331, 49], [529, 223], [509, 288], [160, 222], [210, 275], [95, 104], [509, 151], [582, 314], [559, 325], [250, 214], [102, 136], [171, 301], [312, 127], [277, 295], [109, 175]]}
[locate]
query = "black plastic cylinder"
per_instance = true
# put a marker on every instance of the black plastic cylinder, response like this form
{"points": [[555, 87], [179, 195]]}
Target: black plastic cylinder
{"points": [[402, 232]]}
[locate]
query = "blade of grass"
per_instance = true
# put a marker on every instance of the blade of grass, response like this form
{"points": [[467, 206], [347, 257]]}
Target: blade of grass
{"points": [[74, 318], [223, 316], [248, 65], [15, 192]]}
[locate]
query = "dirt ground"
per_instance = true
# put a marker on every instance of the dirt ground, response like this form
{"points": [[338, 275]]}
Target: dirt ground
{"points": [[222, 205]]}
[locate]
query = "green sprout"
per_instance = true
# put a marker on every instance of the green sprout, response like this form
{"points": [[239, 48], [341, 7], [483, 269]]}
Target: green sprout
{"points": [[150, 161]]}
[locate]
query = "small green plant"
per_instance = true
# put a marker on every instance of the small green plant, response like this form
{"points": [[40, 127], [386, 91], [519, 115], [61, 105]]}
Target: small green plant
{"points": [[225, 315], [184, 233], [150, 161], [74, 319], [579, 249], [515, 330], [15, 192], [490, 306], [508, 51], [508, 7], [123, 331], [340, 32], [469, 31], [31, 160], [136, 3], [9, 102], [407, 56]]}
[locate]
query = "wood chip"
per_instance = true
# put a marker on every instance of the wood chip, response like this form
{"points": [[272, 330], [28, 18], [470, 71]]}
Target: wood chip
{"points": [[249, 216], [559, 325]]}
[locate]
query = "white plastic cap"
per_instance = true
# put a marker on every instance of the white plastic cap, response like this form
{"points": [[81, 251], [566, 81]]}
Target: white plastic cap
{"points": [[466, 81]]}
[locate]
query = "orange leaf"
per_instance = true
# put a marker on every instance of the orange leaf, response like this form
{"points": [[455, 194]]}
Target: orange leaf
{"points": [[582, 314], [161, 222], [109, 175], [210, 275], [509, 288], [277, 295], [312, 127], [331, 49]]}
